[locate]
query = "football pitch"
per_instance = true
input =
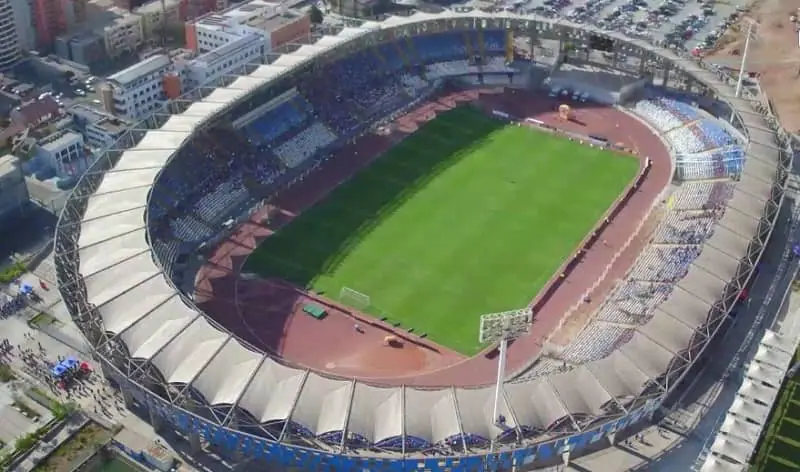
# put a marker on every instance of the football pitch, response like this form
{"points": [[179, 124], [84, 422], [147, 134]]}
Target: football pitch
{"points": [[465, 217], [779, 448]]}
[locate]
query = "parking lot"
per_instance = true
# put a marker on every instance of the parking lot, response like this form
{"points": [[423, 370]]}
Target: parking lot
{"points": [[689, 24]]}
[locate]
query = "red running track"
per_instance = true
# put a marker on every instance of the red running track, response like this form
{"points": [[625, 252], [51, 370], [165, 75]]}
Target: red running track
{"points": [[268, 313]]}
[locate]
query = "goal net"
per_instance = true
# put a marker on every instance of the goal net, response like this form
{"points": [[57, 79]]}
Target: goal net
{"points": [[354, 298]]}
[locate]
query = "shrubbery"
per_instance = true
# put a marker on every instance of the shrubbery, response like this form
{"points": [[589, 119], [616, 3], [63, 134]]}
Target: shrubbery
{"points": [[12, 273]]}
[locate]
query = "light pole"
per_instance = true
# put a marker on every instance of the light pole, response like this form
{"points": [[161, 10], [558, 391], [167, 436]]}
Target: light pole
{"points": [[502, 328], [739, 82]]}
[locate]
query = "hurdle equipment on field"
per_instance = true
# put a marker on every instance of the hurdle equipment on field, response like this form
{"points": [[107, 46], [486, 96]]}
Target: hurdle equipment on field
{"points": [[354, 298]]}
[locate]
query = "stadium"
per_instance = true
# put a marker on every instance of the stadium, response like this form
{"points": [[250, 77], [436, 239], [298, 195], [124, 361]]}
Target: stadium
{"points": [[617, 193]]}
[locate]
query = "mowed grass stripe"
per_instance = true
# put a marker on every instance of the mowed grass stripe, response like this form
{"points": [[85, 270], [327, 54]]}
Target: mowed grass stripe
{"points": [[464, 217]]}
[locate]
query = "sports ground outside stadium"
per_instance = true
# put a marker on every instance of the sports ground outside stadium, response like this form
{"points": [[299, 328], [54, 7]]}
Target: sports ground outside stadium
{"points": [[467, 216]]}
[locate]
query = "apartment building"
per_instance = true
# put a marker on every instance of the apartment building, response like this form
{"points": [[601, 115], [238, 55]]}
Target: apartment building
{"points": [[137, 91], [63, 152], [10, 49]]}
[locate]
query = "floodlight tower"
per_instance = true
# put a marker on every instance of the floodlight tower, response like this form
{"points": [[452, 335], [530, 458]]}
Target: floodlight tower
{"points": [[740, 81], [502, 328]]}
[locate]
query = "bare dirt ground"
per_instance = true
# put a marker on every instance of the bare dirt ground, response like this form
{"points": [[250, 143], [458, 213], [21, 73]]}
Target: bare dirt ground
{"points": [[774, 54]]}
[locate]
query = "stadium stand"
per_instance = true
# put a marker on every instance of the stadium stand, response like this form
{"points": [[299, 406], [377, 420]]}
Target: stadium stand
{"points": [[305, 144], [287, 116], [696, 209], [704, 149], [440, 47], [118, 292]]}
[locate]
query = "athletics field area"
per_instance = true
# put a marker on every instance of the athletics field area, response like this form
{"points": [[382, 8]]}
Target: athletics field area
{"points": [[779, 450], [467, 216]]}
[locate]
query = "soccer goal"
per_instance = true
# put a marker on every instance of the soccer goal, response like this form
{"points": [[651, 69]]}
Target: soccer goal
{"points": [[354, 298]]}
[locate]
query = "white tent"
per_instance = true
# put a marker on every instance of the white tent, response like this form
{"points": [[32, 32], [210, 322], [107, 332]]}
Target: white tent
{"points": [[744, 408], [778, 342], [741, 429], [732, 448], [773, 357], [715, 464], [755, 390], [765, 373]]}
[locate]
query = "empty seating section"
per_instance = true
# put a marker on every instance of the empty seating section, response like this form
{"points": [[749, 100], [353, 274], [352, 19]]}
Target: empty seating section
{"points": [[692, 211], [664, 263], [279, 120], [719, 163], [440, 47], [543, 366], [687, 227], [494, 42], [496, 65], [596, 342], [685, 141], [167, 252], [683, 111], [203, 184], [702, 195], [391, 56], [656, 115], [713, 134], [413, 85], [227, 194], [188, 228], [732, 158], [305, 144], [331, 106], [380, 98], [705, 148], [634, 302], [449, 68], [640, 298]]}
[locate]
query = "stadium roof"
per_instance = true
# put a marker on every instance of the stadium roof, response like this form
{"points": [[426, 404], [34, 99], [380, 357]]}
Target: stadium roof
{"points": [[142, 309]]}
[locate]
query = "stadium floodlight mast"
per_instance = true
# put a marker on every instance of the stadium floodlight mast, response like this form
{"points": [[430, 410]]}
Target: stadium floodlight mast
{"points": [[750, 24], [502, 328]]}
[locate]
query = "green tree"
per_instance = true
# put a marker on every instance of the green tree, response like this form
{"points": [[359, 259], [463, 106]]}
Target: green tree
{"points": [[25, 443], [316, 15]]}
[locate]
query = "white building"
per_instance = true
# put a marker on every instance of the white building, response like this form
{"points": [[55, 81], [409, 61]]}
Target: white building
{"points": [[99, 130], [63, 152], [155, 15], [221, 43], [225, 59], [10, 52], [137, 91], [124, 34]]}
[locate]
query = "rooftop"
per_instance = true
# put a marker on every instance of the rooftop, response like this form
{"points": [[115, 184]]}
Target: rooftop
{"points": [[271, 24], [98, 118], [37, 110], [92, 115], [101, 13], [59, 140], [260, 12], [227, 50], [156, 7], [112, 125], [8, 164], [147, 66]]}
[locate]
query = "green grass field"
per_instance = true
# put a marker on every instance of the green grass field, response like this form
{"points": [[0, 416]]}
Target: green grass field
{"points": [[779, 449], [465, 217]]}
